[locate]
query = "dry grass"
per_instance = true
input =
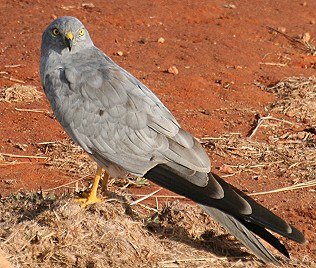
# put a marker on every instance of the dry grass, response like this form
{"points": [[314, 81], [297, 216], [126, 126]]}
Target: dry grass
{"points": [[297, 97], [291, 155], [49, 232], [288, 149], [20, 93], [68, 156]]}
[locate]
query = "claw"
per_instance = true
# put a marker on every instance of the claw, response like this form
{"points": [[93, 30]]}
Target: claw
{"points": [[88, 201]]}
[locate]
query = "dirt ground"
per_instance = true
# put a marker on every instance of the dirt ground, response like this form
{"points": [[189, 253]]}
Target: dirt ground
{"points": [[226, 53]]}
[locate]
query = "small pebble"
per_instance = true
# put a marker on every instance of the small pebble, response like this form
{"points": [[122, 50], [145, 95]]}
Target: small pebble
{"points": [[226, 169], [306, 37], [143, 40], [282, 29], [120, 53], [231, 6], [161, 40], [258, 178], [173, 70], [87, 5]]}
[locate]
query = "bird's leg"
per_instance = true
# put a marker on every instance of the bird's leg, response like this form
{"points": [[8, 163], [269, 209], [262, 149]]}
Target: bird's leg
{"points": [[92, 198]]}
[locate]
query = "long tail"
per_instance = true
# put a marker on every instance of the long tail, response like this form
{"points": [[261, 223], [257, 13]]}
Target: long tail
{"points": [[238, 213]]}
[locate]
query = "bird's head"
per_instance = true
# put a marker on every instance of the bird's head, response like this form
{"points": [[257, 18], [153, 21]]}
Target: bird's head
{"points": [[65, 35]]}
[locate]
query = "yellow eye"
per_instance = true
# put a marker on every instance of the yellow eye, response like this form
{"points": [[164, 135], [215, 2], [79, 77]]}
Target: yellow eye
{"points": [[81, 32], [55, 31]]}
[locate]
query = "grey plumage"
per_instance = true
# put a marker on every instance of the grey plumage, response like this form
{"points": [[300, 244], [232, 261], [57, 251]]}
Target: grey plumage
{"points": [[125, 128]]}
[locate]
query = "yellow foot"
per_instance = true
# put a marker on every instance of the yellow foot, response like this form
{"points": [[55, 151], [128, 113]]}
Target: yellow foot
{"points": [[92, 198], [88, 200]]}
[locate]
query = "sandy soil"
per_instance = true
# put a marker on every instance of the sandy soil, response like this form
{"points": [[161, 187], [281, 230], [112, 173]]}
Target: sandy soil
{"points": [[222, 51]]}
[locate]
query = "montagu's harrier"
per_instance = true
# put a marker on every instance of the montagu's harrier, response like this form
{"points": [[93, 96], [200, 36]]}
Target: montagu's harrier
{"points": [[126, 129]]}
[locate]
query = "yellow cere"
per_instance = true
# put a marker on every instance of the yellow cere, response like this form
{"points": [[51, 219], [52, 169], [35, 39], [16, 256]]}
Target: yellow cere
{"points": [[69, 36]]}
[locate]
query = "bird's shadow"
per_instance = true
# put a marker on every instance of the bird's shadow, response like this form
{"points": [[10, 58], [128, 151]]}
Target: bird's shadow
{"points": [[163, 226]]}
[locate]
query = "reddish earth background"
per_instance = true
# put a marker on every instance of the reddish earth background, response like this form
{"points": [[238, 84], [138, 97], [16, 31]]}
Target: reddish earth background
{"points": [[218, 47]]}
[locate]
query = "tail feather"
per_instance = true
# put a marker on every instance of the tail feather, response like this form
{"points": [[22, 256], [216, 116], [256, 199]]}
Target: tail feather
{"points": [[237, 212], [242, 233]]}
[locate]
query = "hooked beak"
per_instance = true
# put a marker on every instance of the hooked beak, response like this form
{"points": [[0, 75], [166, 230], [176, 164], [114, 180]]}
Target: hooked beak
{"points": [[69, 40]]}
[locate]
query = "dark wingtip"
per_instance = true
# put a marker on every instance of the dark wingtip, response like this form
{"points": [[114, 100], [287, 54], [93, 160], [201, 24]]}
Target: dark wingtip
{"points": [[297, 236], [231, 207], [265, 218]]}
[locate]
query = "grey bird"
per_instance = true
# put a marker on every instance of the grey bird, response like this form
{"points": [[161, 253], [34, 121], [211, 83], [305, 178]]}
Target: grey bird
{"points": [[126, 129]]}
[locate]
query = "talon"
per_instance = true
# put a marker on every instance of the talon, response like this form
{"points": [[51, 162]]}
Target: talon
{"points": [[88, 201]]}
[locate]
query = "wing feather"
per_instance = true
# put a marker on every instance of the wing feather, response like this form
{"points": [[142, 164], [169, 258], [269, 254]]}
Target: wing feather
{"points": [[110, 113]]}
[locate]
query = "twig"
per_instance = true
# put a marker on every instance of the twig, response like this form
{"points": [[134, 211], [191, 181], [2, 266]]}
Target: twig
{"points": [[163, 196], [10, 237], [52, 233], [255, 166], [13, 66], [16, 163], [66, 184], [212, 138], [157, 203], [290, 188], [260, 121], [33, 110], [228, 175], [147, 207], [190, 260], [273, 64], [145, 197], [12, 79], [24, 156], [47, 142]]}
